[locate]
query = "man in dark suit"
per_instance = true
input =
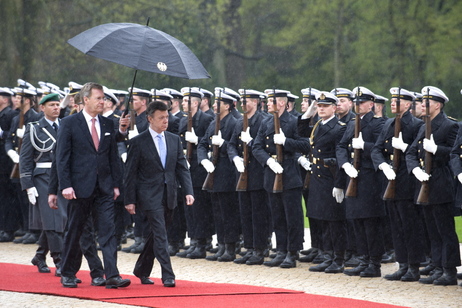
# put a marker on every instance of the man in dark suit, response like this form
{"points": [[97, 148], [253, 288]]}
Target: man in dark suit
{"points": [[89, 177], [151, 185]]}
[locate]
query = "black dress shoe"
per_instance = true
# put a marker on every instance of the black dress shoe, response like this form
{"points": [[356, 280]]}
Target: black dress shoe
{"points": [[7, 237], [77, 280], [68, 282], [280, 257], [21, 239], [117, 282], [32, 239], [41, 265], [427, 270], [169, 283], [98, 282], [58, 272], [334, 268], [145, 280], [437, 273]]}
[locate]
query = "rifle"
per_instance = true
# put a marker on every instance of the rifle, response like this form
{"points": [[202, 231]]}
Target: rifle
{"points": [[189, 146], [352, 189], [208, 183], [422, 199], [391, 187], [306, 183], [15, 171], [243, 177], [278, 185]]}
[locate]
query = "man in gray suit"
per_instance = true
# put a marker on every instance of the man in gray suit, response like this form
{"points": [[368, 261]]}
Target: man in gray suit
{"points": [[155, 162]]}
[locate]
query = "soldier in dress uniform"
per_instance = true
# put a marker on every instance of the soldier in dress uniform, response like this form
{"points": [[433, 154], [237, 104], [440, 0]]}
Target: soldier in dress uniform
{"points": [[12, 146], [291, 105], [199, 217], [326, 180], [439, 212], [226, 207], [176, 101], [253, 203], [8, 225], [68, 104], [173, 121], [35, 166], [206, 102], [286, 206], [405, 216], [237, 98], [380, 109], [367, 208]]}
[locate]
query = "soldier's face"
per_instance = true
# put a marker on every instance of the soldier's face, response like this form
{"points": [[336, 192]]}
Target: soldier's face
{"points": [[365, 107], [344, 105], [326, 111], [138, 103], [304, 105], [403, 105], [50, 110], [184, 103]]}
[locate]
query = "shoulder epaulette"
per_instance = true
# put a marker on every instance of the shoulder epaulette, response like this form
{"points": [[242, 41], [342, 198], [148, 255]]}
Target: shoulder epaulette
{"points": [[185, 114], [454, 119], [341, 123], [377, 117], [116, 115]]}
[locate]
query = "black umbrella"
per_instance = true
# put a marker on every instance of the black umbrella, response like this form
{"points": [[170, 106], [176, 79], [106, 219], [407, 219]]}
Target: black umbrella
{"points": [[140, 47]]}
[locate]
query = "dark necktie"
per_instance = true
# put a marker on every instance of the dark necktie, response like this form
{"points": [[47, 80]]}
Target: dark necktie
{"points": [[55, 126]]}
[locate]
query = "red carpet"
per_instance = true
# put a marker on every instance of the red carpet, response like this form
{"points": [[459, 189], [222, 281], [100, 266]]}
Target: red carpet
{"points": [[25, 278]]}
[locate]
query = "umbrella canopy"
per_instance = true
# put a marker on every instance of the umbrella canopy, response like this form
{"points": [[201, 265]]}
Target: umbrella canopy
{"points": [[140, 47]]}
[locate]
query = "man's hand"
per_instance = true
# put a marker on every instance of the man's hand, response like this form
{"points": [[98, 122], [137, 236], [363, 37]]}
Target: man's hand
{"points": [[459, 177], [130, 208], [305, 163], [358, 143], [420, 174], [133, 132], [116, 192], [388, 171], [350, 170], [398, 143], [68, 193], [20, 132], [217, 139], [124, 122], [191, 136], [429, 145], [32, 195], [245, 136], [14, 156], [239, 163], [274, 165], [53, 201], [208, 165], [311, 111], [279, 138], [189, 200], [337, 193]]}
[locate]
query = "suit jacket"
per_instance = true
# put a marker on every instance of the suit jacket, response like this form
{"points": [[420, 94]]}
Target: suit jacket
{"points": [[79, 165], [145, 176]]}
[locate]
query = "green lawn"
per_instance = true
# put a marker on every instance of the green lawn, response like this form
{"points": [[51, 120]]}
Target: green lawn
{"points": [[458, 221]]}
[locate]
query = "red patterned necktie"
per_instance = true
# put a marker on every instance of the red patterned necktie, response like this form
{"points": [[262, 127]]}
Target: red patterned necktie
{"points": [[94, 134]]}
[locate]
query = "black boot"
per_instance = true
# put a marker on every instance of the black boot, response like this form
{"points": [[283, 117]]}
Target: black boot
{"points": [[190, 249], [280, 257], [199, 251], [310, 254], [230, 253], [412, 273], [388, 257], [352, 261], [257, 258], [208, 244], [373, 269], [57, 261], [220, 252], [437, 273], [173, 248], [427, 270], [363, 262], [247, 256], [337, 264], [402, 270], [140, 247], [39, 261], [134, 245], [328, 258], [290, 260], [449, 277], [319, 258]]}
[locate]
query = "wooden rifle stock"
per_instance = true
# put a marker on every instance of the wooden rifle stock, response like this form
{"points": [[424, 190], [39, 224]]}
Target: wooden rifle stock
{"points": [[390, 191], [243, 177], [15, 171], [352, 189], [278, 185], [189, 146], [423, 197], [208, 183]]}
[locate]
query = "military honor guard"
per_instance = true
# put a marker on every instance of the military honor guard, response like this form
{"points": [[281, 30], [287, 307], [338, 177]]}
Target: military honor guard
{"points": [[277, 147], [363, 204], [431, 150]]}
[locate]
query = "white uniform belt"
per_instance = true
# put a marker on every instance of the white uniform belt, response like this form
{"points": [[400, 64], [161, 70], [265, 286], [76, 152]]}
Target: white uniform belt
{"points": [[43, 165]]}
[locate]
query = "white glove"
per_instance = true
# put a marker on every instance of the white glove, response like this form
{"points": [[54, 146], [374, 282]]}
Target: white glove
{"points": [[358, 143], [245, 136], [133, 132], [274, 165], [208, 165], [388, 171], [239, 163], [20, 132], [337, 193], [279, 138], [398, 143], [1, 132], [420, 174], [123, 156], [459, 177], [14, 156], [305, 163], [191, 136], [350, 170], [32, 194], [311, 111], [217, 140], [429, 145]]}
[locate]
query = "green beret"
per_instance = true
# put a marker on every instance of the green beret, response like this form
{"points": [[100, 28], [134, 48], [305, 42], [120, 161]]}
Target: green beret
{"points": [[52, 97]]}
